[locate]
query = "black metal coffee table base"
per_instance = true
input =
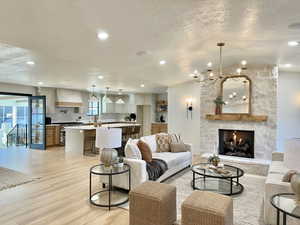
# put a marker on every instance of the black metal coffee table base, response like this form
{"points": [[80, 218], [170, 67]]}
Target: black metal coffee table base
{"points": [[225, 186]]}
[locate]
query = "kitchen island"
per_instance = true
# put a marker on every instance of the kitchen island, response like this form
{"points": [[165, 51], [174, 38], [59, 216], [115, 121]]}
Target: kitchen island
{"points": [[81, 139]]}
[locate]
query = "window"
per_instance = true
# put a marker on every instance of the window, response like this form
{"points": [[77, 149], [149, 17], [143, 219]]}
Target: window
{"points": [[22, 114], [6, 115], [93, 109]]}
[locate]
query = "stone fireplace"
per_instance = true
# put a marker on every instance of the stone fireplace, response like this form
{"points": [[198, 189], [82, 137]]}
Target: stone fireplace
{"points": [[264, 102], [239, 143]]}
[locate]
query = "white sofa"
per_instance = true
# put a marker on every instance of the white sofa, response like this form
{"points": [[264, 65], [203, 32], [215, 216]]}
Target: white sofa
{"points": [[175, 161], [281, 164]]}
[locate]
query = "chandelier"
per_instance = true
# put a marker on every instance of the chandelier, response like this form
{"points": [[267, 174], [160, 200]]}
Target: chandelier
{"points": [[209, 77]]}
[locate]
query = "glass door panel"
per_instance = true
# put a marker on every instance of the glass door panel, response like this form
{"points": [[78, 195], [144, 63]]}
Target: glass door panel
{"points": [[37, 122]]}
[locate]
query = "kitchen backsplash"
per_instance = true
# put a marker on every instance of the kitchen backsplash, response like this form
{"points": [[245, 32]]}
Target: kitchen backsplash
{"points": [[70, 115]]}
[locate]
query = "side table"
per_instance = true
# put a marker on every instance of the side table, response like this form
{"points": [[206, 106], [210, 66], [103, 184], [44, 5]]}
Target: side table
{"points": [[285, 203], [114, 194]]}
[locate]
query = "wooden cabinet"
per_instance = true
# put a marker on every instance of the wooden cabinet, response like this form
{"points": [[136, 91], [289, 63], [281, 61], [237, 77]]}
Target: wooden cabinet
{"points": [[159, 128], [52, 135]]}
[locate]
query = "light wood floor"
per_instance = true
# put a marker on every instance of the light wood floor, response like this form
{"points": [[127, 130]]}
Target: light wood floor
{"points": [[59, 197]]}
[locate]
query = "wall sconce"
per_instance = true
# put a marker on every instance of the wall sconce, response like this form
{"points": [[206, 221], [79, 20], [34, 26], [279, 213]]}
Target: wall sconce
{"points": [[189, 108]]}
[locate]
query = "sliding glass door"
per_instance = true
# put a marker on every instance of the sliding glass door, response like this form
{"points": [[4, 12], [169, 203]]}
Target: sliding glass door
{"points": [[37, 128]]}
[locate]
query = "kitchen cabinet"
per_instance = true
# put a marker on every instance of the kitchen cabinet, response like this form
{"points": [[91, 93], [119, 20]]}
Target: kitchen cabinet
{"points": [[52, 135], [159, 128]]}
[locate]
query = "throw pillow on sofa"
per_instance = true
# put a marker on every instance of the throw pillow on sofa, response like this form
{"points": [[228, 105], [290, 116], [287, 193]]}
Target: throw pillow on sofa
{"points": [[145, 151], [178, 147], [175, 138], [163, 143], [132, 151], [151, 141]]}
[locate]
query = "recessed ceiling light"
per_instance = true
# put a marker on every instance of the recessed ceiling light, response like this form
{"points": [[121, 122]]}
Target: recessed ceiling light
{"points": [[30, 62], [103, 36], [142, 85], [162, 62], [287, 65], [100, 77], [293, 43], [40, 83]]}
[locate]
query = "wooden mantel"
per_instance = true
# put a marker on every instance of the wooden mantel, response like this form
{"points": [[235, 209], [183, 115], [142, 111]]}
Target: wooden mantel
{"points": [[237, 117]]}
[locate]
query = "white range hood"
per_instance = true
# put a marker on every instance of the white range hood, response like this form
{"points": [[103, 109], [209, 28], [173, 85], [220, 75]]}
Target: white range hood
{"points": [[68, 98]]}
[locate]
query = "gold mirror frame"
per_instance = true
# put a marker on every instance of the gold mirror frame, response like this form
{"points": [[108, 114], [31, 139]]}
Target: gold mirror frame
{"points": [[250, 94]]}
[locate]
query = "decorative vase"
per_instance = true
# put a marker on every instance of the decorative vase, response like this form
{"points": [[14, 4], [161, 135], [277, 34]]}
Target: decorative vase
{"points": [[108, 156], [218, 110], [295, 185]]}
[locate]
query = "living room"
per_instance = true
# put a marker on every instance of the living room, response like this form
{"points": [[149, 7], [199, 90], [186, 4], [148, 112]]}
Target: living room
{"points": [[150, 113]]}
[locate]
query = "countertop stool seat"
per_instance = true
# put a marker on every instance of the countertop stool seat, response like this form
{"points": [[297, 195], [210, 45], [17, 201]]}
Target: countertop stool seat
{"points": [[207, 208], [152, 203]]}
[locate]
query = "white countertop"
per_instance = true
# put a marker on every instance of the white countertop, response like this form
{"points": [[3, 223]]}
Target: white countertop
{"points": [[113, 125]]}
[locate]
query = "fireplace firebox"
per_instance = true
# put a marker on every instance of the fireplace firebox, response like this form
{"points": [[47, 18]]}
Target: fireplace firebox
{"points": [[238, 143]]}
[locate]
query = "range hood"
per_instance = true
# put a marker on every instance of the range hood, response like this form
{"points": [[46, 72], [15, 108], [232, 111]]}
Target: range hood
{"points": [[68, 98]]}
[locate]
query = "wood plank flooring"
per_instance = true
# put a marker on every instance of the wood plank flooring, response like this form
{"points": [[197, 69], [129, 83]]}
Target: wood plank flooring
{"points": [[60, 196]]}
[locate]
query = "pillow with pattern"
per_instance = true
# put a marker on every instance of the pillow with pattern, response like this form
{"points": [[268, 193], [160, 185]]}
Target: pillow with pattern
{"points": [[175, 138], [163, 143]]}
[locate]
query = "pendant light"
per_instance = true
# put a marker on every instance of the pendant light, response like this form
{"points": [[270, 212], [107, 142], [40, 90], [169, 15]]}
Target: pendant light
{"points": [[93, 97], [106, 99], [120, 100]]}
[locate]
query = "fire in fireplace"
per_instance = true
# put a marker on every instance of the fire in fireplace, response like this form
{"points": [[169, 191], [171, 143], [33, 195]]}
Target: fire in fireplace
{"points": [[238, 143]]}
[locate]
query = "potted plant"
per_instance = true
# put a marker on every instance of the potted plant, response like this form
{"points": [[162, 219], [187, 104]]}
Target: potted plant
{"points": [[120, 162], [214, 160], [219, 102]]}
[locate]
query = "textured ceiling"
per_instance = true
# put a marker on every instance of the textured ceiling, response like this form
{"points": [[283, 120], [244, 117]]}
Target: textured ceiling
{"points": [[61, 37]]}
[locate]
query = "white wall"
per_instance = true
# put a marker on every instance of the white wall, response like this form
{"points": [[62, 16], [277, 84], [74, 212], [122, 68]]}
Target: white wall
{"points": [[15, 88], [189, 129], [288, 107]]}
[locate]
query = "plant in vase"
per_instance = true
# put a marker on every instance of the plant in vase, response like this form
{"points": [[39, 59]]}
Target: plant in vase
{"points": [[119, 162], [219, 102], [214, 160]]}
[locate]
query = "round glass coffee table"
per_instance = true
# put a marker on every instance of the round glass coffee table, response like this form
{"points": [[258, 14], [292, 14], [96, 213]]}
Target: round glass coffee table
{"points": [[223, 180], [111, 196], [286, 204]]}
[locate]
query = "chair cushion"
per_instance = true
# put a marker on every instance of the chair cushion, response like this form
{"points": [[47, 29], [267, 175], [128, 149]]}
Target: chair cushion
{"points": [[132, 151], [278, 167], [145, 151], [163, 143], [151, 141], [173, 159]]}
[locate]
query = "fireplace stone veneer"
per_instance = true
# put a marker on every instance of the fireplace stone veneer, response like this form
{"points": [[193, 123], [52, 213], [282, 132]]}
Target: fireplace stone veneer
{"points": [[264, 102]]}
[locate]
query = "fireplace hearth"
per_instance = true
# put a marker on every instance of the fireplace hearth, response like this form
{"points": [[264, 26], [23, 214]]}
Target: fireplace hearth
{"points": [[238, 143]]}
